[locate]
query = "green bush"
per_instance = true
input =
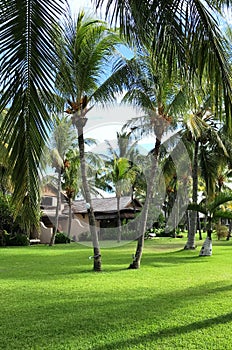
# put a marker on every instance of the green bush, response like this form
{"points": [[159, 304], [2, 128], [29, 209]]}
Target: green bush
{"points": [[61, 238], [160, 232], [18, 239], [10, 231], [3, 237], [221, 231]]}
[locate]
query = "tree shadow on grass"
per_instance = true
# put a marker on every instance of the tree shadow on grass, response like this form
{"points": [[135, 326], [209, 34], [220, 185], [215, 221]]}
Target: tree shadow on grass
{"points": [[94, 312], [169, 332], [173, 258]]}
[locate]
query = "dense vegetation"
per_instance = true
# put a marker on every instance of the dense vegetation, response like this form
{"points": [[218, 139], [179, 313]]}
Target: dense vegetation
{"points": [[179, 76]]}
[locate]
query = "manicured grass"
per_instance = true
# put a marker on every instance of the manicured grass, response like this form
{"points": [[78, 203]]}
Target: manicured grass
{"points": [[50, 298]]}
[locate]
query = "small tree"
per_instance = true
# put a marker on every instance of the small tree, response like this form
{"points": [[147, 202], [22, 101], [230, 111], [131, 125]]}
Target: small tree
{"points": [[71, 180], [63, 137], [212, 211]]}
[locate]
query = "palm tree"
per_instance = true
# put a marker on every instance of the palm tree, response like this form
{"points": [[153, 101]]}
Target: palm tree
{"points": [[27, 60], [62, 139], [211, 208], [146, 89], [84, 48], [202, 133], [4, 170], [27, 63], [124, 147], [183, 34], [121, 171], [71, 180]]}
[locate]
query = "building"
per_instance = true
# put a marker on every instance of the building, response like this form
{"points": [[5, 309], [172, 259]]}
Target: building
{"points": [[105, 211]]}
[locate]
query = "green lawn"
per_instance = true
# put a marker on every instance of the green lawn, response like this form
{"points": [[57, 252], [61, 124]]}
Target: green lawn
{"points": [[50, 298]]}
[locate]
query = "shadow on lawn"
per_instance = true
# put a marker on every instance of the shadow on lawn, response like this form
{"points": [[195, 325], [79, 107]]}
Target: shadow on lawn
{"points": [[170, 332], [71, 314], [173, 258]]}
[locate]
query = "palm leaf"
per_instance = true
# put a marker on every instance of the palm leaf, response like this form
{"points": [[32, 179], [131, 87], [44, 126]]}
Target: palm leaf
{"points": [[26, 59], [185, 35], [223, 214], [197, 207], [220, 199]]}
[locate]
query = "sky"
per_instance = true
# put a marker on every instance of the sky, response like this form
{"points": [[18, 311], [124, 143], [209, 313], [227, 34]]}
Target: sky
{"points": [[77, 5]]}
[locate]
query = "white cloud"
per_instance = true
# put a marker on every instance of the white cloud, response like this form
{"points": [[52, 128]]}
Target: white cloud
{"points": [[87, 5]]}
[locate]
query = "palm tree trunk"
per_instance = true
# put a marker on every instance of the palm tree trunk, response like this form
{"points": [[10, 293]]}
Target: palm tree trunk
{"points": [[143, 221], [55, 229], [119, 220], [193, 214], [199, 226], [69, 216], [206, 249], [92, 223]]}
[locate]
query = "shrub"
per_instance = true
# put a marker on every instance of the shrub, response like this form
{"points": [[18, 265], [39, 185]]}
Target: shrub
{"points": [[18, 239], [10, 230], [221, 231], [3, 237], [61, 238], [160, 232]]}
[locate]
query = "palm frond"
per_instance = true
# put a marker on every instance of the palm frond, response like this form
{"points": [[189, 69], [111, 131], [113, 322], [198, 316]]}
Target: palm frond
{"points": [[85, 50], [27, 60], [223, 214], [186, 37], [197, 207], [220, 199]]}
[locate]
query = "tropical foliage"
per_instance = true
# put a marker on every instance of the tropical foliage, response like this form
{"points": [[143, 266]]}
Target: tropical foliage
{"points": [[84, 48], [27, 59], [180, 68]]}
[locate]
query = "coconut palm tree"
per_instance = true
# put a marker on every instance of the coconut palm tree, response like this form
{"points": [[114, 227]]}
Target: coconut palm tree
{"points": [[85, 47], [27, 60], [203, 134], [5, 183], [121, 170], [118, 172], [211, 208], [146, 89], [71, 180], [183, 34], [124, 148], [61, 140]]}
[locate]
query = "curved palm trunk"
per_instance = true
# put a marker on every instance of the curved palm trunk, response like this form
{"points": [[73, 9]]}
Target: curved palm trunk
{"points": [[193, 214], [143, 222], [55, 229], [92, 223]]}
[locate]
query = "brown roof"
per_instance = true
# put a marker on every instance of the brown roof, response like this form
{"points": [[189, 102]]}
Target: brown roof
{"points": [[105, 205]]}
